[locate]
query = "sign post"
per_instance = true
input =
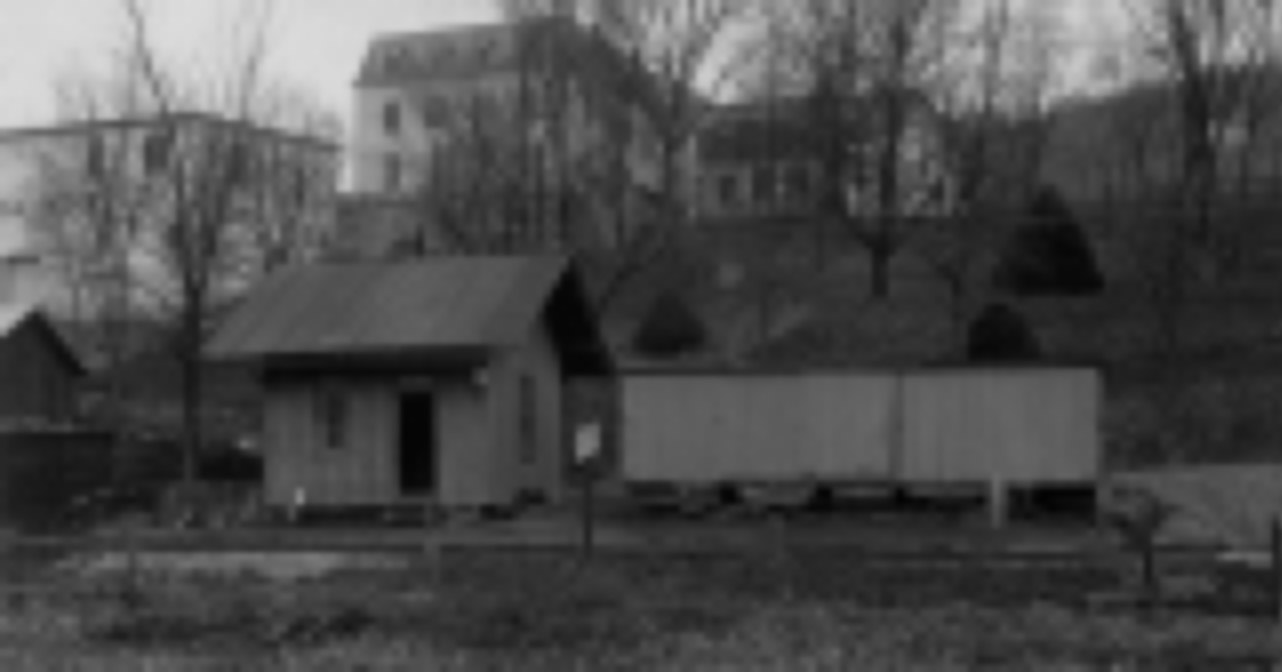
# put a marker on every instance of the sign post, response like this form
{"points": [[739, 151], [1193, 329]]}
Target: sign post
{"points": [[587, 456]]}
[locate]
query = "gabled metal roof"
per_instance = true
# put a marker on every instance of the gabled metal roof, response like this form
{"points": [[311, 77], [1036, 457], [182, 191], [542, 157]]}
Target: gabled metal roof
{"points": [[443, 305]]}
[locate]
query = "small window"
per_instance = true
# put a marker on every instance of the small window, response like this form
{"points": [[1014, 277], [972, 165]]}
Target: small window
{"points": [[529, 421], [331, 417], [95, 157], [239, 163], [392, 118], [798, 180], [155, 152], [729, 188], [392, 173], [763, 185], [436, 111]]}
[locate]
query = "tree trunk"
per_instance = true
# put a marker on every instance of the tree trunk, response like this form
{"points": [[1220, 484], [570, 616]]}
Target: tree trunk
{"points": [[879, 257], [821, 242], [958, 299], [192, 385]]}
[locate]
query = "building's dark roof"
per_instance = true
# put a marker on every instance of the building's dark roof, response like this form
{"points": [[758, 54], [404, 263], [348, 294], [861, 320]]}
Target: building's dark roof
{"points": [[755, 131], [467, 53], [462, 308], [455, 54], [84, 126], [788, 128]]}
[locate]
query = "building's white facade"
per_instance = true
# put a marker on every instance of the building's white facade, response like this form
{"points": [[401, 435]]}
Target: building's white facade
{"points": [[426, 106], [57, 182], [766, 160]]}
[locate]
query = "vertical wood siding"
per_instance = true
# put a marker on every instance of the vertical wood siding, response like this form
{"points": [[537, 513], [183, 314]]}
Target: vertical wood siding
{"points": [[700, 428], [363, 471], [1030, 426], [466, 454], [950, 426], [850, 427], [537, 359], [477, 443]]}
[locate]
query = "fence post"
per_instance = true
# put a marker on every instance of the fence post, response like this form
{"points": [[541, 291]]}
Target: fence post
{"points": [[998, 502], [587, 453], [1275, 564]]}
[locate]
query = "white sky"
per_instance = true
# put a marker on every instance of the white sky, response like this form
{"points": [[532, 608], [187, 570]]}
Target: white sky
{"points": [[319, 43]]}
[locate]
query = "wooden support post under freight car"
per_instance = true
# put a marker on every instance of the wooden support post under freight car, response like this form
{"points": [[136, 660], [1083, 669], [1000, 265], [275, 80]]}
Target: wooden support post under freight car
{"points": [[998, 503]]}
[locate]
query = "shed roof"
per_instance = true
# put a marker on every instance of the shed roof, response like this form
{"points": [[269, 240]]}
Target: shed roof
{"points": [[458, 308], [14, 315]]}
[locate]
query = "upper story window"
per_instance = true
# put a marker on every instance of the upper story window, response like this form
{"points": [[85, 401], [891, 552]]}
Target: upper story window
{"points": [[392, 118], [763, 184], [332, 417], [728, 190], [797, 181], [239, 162], [95, 157], [393, 173], [155, 152], [435, 111]]}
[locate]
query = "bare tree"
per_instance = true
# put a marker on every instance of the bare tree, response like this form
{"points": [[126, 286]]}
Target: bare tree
{"points": [[183, 199], [688, 52], [591, 152], [87, 211], [474, 186], [200, 186], [868, 65], [1212, 53], [992, 99], [292, 189]]}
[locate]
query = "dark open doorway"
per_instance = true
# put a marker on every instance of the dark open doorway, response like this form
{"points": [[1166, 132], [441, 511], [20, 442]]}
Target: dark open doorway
{"points": [[419, 443]]}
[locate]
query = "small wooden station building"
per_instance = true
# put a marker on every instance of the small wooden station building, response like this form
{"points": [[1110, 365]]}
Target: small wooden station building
{"points": [[438, 380]]}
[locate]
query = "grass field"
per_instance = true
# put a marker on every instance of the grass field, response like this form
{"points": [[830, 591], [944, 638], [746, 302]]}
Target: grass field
{"points": [[767, 610]]}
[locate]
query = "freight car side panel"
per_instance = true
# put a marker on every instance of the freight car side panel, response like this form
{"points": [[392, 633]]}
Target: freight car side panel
{"points": [[705, 429], [1016, 426]]}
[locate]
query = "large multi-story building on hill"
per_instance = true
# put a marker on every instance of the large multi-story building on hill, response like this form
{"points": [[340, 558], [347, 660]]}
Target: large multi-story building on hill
{"points": [[59, 186], [530, 133], [769, 160]]}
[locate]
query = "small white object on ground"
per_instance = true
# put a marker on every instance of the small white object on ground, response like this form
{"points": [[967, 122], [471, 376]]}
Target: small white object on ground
{"points": [[587, 442]]}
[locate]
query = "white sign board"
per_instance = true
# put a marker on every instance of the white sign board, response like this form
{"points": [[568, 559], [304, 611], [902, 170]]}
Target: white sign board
{"points": [[587, 442]]}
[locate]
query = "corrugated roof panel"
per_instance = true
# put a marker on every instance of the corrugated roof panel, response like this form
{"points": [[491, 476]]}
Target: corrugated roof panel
{"points": [[473, 301]]}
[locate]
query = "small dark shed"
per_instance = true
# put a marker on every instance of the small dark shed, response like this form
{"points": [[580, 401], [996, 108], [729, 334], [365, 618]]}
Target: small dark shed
{"points": [[45, 459], [38, 370], [441, 379]]}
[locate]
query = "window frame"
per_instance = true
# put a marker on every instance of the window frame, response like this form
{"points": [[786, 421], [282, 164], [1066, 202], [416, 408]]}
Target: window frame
{"points": [[393, 173], [393, 120], [528, 422], [764, 181], [157, 152], [333, 417], [729, 190]]}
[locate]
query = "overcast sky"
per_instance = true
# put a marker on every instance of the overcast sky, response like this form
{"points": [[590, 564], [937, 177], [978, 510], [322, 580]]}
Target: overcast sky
{"points": [[318, 43]]}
